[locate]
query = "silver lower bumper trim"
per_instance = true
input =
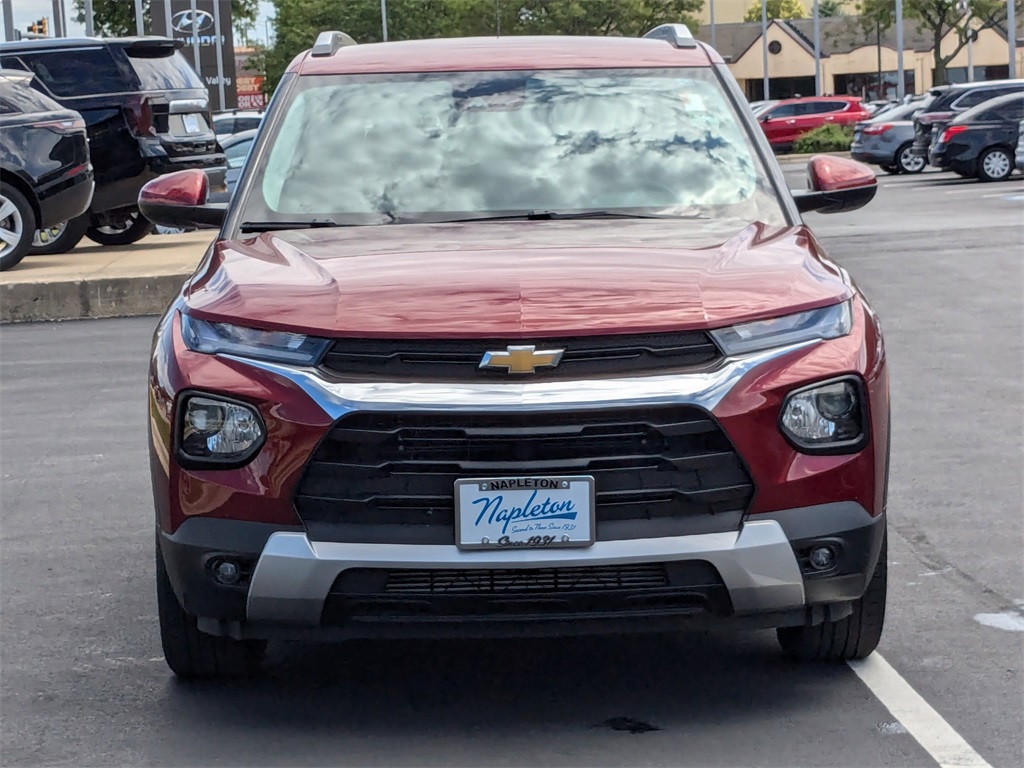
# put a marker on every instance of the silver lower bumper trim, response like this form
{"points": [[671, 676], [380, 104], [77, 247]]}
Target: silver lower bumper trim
{"points": [[294, 575]]}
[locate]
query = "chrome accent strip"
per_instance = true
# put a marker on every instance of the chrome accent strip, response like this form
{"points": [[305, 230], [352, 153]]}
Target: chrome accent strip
{"points": [[705, 389], [294, 575]]}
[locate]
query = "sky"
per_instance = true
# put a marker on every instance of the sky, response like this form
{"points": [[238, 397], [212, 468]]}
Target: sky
{"points": [[27, 11]]}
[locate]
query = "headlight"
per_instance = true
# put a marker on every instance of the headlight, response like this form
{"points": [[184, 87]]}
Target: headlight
{"points": [[826, 418], [215, 432], [276, 346], [825, 323]]}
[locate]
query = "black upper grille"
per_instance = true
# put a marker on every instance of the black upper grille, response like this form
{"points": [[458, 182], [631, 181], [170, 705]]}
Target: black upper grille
{"points": [[389, 477], [425, 360]]}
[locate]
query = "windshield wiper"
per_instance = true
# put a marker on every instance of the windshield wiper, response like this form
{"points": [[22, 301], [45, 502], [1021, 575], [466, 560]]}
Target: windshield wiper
{"points": [[272, 226], [540, 215]]}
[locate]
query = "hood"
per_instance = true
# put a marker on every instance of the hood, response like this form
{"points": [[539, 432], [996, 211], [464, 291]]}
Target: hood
{"points": [[513, 279]]}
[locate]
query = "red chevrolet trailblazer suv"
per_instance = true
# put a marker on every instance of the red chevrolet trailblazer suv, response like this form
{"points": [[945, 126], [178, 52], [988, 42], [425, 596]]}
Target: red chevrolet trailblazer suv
{"points": [[515, 336]]}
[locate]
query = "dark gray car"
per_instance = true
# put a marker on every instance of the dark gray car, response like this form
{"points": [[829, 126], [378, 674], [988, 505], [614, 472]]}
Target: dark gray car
{"points": [[887, 139]]}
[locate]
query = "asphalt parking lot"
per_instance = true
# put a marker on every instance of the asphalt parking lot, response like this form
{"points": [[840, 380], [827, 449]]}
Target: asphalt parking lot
{"points": [[83, 682]]}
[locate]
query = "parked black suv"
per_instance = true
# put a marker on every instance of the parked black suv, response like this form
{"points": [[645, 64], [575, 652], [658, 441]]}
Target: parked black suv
{"points": [[146, 111], [45, 175], [929, 123]]}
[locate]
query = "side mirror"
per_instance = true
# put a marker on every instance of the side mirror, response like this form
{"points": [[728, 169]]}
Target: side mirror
{"points": [[836, 184], [180, 200]]}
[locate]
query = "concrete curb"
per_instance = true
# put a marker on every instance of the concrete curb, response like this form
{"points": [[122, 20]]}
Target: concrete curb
{"points": [[81, 299]]}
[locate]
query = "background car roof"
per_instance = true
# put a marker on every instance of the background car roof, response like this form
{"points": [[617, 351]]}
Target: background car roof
{"points": [[58, 43], [969, 115], [235, 138], [504, 53]]}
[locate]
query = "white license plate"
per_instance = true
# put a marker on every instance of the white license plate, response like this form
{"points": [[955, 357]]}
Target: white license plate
{"points": [[524, 512], [191, 123]]}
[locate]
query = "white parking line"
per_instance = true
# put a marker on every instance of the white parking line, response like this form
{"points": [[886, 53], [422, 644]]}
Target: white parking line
{"points": [[947, 747]]}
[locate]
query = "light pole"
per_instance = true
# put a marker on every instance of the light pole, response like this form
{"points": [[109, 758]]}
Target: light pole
{"points": [[90, 28], [764, 45], [8, 20], [962, 7], [817, 52], [140, 22], [901, 86], [1011, 27], [713, 24], [384, 18]]}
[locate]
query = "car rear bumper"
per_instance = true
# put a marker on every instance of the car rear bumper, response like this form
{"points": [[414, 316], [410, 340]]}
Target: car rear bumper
{"points": [[872, 156], [66, 199], [293, 586]]}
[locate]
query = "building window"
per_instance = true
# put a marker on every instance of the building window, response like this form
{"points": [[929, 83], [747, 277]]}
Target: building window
{"points": [[959, 74], [866, 85]]}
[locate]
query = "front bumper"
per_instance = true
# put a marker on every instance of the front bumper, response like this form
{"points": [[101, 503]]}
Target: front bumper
{"points": [[293, 586]]}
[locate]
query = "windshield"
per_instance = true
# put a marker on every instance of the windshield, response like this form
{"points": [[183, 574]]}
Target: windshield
{"points": [[434, 147], [164, 72]]}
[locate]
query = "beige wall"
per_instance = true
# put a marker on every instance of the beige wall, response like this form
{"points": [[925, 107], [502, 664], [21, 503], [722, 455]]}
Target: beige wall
{"points": [[794, 60], [731, 11]]}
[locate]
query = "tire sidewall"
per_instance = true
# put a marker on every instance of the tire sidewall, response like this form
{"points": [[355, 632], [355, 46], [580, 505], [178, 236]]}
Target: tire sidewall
{"points": [[983, 174], [28, 226], [68, 239], [139, 228]]}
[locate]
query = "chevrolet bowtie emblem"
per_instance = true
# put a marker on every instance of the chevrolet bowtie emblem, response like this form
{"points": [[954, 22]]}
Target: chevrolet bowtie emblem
{"points": [[525, 359]]}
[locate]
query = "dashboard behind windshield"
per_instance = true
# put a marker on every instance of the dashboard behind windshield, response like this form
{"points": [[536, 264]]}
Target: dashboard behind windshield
{"points": [[364, 149]]}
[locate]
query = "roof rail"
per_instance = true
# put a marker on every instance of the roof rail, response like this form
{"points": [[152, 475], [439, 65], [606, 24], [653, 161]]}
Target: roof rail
{"points": [[678, 35], [328, 43]]}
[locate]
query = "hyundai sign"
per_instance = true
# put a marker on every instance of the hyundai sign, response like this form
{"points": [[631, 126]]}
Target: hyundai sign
{"points": [[197, 29]]}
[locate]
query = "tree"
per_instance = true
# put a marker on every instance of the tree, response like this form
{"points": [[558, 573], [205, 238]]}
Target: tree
{"points": [[116, 18], [940, 18], [297, 22], [830, 9], [778, 9]]}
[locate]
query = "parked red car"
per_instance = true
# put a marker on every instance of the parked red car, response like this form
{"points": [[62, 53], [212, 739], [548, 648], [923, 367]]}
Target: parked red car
{"points": [[790, 119], [515, 336]]}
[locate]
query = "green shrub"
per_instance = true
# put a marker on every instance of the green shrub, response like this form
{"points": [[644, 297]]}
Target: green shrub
{"points": [[827, 138]]}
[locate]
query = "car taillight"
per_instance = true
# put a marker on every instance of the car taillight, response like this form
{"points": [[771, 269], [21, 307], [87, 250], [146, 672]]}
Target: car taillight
{"points": [[140, 117], [63, 127], [875, 130], [927, 118], [949, 133]]}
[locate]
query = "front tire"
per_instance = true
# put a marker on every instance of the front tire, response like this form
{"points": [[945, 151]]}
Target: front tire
{"points": [[195, 655], [131, 230], [995, 165], [60, 239], [907, 161], [854, 637], [17, 223]]}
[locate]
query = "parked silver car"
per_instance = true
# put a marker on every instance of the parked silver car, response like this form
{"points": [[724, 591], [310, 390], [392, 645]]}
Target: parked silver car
{"points": [[887, 139]]}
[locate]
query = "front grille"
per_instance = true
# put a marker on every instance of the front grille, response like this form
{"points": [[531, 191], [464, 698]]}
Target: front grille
{"points": [[427, 360], [433, 582], [389, 477], [379, 594]]}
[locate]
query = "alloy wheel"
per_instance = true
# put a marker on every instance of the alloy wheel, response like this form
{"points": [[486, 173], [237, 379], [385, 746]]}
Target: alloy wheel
{"points": [[910, 162], [12, 227], [46, 236]]}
